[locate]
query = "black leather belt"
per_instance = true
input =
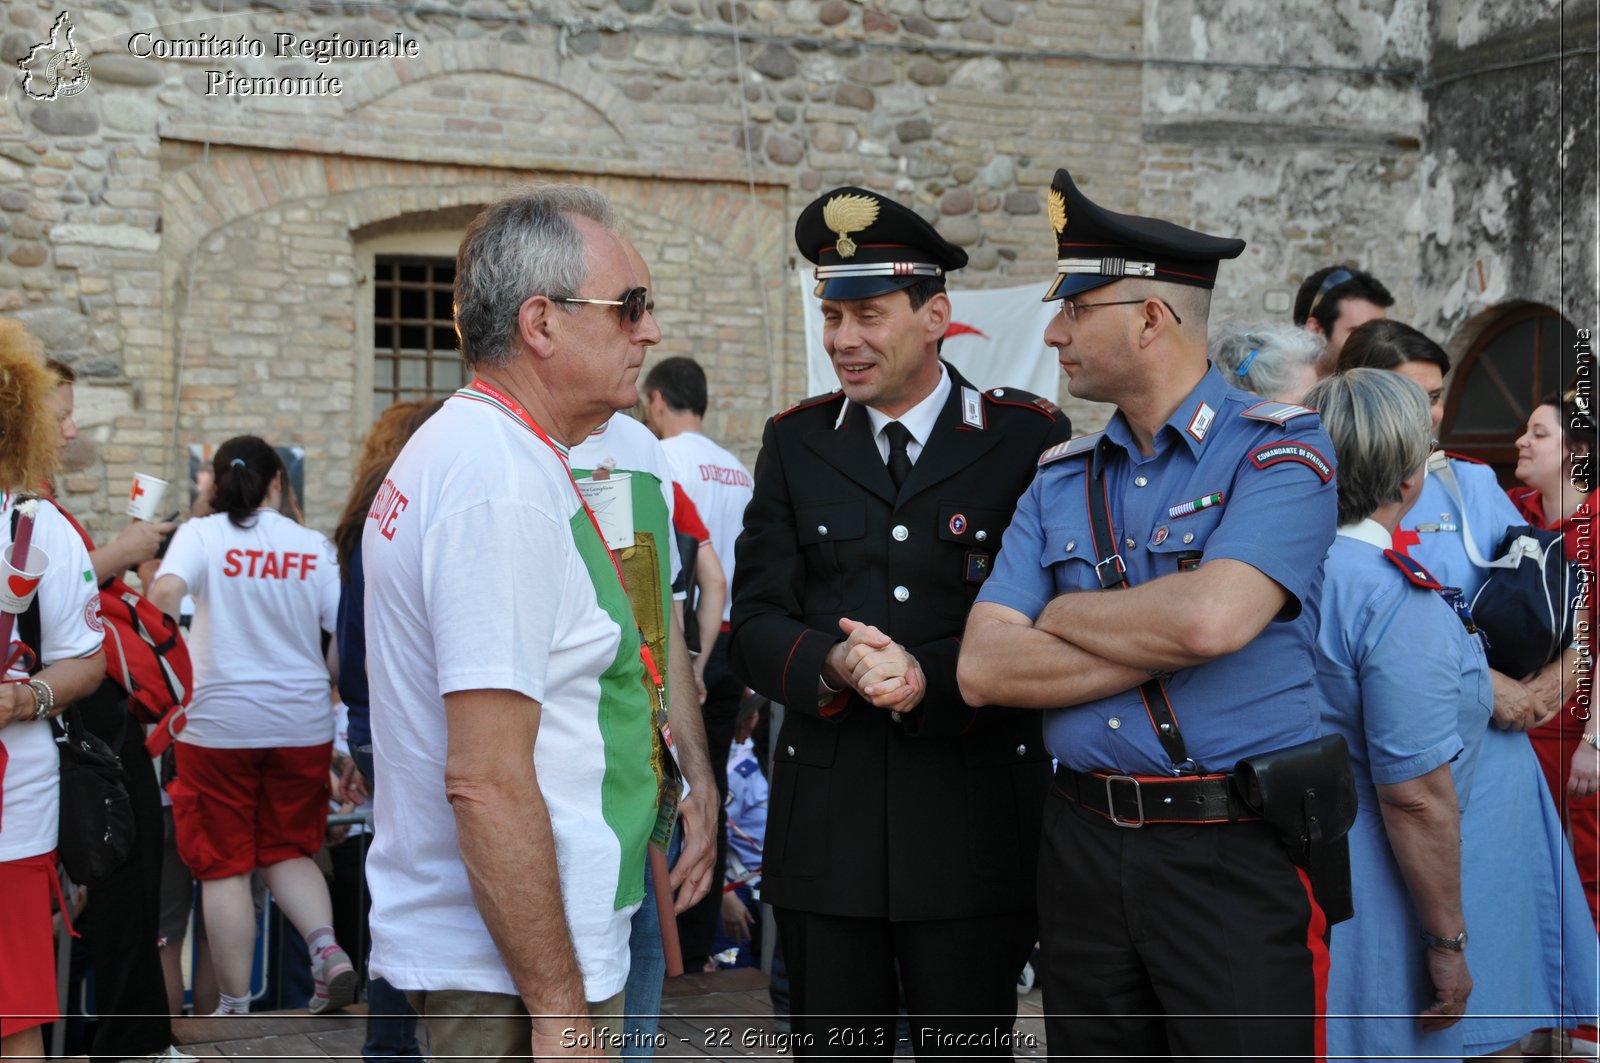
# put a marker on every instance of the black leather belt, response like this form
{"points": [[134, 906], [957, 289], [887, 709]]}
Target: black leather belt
{"points": [[1135, 800]]}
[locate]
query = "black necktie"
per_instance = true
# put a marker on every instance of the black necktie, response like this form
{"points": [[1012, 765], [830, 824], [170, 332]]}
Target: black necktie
{"points": [[898, 436]]}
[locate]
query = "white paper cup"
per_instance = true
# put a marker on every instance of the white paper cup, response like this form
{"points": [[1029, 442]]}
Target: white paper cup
{"points": [[19, 585], [612, 502], [144, 497]]}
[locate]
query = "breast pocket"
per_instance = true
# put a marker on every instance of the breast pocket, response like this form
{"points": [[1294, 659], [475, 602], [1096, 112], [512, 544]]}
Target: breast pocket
{"points": [[829, 534], [1069, 554], [1178, 543], [971, 535]]}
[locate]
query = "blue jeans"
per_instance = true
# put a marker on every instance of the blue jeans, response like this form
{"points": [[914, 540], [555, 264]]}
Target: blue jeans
{"points": [[647, 969], [391, 1024]]}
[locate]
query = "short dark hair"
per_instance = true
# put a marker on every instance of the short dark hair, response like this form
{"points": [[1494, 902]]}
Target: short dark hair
{"points": [[1575, 410], [64, 372], [1319, 301], [921, 290], [681, 382], [1385, 344]]}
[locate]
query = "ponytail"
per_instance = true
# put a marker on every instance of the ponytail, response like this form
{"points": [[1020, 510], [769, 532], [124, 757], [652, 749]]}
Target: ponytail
{"points": [[242, 474]]}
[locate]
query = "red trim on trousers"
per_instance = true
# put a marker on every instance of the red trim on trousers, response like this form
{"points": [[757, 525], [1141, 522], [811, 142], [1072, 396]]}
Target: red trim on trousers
{"points": [[1317, 944]]}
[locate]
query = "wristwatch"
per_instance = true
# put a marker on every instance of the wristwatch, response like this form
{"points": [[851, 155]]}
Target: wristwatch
{"points": [[1455, 944]]}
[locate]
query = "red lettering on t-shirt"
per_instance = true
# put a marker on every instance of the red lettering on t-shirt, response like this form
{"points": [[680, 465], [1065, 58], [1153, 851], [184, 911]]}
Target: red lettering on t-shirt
{"points": [[721, 474], [269, 565], [397, 505]]}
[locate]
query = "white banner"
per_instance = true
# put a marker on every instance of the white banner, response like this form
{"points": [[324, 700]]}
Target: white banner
{"points": [[996, 339]]}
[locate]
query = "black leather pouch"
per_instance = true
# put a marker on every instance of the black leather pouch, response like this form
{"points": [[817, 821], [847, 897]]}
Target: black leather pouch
{"points": [[1307, 794]]}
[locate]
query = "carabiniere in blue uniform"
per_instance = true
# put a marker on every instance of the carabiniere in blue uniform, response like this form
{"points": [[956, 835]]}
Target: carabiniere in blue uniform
{"points": [[1271, 464], [1174, 920]]}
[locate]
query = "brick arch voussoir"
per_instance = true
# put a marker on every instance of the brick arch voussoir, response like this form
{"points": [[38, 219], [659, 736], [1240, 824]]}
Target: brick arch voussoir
{"points": [[492, 57]]}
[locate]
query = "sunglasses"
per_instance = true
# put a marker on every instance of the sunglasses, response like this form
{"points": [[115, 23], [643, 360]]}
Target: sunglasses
{"points": [[635, 303]]}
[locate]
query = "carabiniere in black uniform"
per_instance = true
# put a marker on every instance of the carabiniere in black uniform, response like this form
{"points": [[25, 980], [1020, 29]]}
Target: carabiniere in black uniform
{"points": [[893, 840]]}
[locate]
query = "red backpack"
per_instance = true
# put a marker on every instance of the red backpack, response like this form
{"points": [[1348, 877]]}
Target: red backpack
{"points": [[146, 657]]}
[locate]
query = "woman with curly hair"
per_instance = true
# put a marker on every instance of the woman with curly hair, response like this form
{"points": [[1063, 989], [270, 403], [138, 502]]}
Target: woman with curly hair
{"points": [[69, 650]]}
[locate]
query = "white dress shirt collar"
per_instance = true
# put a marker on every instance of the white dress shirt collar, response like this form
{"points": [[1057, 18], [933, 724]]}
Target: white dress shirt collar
{"points": [[919, 420]]}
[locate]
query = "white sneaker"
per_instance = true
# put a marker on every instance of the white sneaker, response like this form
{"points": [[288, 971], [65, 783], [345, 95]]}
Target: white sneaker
{"points": [[170, 1054], [334, 980]]}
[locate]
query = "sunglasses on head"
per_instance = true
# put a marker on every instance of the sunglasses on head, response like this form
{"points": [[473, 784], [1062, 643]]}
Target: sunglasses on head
{"points": [[635, 303]]}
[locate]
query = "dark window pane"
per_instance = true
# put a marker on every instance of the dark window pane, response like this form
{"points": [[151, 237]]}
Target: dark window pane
{"points": [[443, 309], [413, 338], [383, 302], [413, 304], [410, 271]]}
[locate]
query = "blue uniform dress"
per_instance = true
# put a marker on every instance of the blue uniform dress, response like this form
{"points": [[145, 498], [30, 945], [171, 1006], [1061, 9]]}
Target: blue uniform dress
{"points": [[1191, 920], [1405, 684], [1533, 951]]}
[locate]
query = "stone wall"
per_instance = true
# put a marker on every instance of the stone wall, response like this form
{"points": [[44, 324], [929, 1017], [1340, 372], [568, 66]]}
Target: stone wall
{"points": [[1508, 191], [196, 255], [200, 257]]}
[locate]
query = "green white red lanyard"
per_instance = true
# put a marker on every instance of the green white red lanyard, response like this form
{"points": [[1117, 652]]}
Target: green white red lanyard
{"points": [[512, 407]]}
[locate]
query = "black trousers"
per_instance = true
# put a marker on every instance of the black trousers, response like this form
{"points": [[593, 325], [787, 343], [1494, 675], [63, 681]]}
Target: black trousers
{"points": [[122, 920], [958, 976], [1175, 941]]}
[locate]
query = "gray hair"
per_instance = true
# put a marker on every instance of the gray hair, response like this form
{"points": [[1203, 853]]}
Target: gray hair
{"points": [[1380, 424], [522, 246], [1270, 356]]}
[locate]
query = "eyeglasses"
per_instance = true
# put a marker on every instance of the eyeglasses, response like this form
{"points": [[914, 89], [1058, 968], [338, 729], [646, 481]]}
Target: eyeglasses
{"points": [[635, 303], [1070, 309]]}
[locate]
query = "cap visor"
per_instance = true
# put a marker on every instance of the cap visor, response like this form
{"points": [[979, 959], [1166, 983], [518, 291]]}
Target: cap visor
{"points": [[1069, 284], [862, 287]]}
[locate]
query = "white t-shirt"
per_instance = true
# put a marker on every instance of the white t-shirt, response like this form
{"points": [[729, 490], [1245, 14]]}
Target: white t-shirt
{"points": [[483, 573], [69, 626], [720, 486], [263, 595], [626, 445]]}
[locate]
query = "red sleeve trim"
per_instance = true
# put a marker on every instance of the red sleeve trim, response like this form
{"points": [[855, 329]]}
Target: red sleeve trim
{"points": [[685, 517]]}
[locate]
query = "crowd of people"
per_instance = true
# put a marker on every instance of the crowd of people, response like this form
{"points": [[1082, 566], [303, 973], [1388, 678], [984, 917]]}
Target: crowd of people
{"points": [[1198, 711]]}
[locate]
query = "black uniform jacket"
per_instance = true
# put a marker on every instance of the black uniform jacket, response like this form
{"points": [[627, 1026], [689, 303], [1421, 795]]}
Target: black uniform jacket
{"points": [[934, 815]]}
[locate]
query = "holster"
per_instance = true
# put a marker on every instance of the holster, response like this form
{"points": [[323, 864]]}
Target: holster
{"points": [[1308, 795]]}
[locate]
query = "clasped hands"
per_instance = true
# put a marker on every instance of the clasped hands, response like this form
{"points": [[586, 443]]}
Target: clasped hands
{"points": [[881, 670]]}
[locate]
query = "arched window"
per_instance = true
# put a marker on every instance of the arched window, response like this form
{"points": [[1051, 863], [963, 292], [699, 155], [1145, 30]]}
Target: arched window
{"points": [[1522, 356]]}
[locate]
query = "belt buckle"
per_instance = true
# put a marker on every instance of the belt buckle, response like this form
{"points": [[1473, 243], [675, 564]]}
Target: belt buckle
{"points": [[1138, 798]]}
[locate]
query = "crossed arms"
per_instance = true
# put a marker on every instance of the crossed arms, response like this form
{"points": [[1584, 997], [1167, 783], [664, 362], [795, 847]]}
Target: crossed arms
{"points": [[1088, 645]]}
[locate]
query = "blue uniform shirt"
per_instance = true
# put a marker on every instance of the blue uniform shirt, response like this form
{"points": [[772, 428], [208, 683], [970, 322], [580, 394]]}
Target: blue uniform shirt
{"points": [[1436, 522], [1404, 682], [1273, 466]]}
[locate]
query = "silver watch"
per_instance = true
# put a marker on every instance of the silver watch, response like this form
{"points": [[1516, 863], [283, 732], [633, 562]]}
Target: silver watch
{"points": [[44, 698], [1455, 944]]}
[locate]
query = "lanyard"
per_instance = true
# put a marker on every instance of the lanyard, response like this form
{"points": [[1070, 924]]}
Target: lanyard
{"points": [[511, 406]]}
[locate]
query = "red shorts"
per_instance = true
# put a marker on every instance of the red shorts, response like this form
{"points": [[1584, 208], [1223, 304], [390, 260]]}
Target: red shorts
{"points": [[239, 809], [28, 955]]}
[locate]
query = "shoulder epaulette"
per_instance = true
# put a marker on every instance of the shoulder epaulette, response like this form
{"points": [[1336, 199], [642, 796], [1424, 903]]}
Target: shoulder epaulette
{"points": [[1025, 399], [1278, 413], [806, 404], [1416, 575], [1071, 449]]}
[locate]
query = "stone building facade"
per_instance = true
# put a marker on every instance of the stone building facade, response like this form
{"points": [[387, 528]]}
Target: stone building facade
{"points": [[208, 260]]}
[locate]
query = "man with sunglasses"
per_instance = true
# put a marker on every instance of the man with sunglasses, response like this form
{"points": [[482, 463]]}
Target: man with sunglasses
{"points": [[1335, 301], [904, 823], [1158, 596], [515, 705]]}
